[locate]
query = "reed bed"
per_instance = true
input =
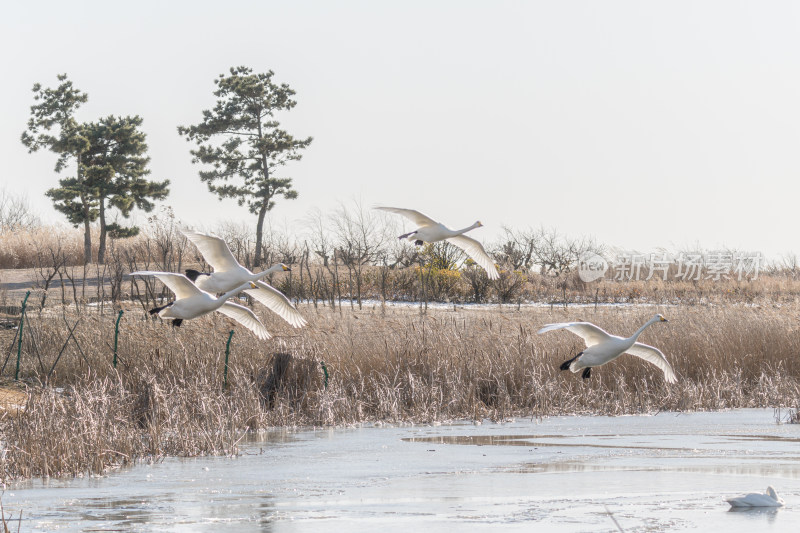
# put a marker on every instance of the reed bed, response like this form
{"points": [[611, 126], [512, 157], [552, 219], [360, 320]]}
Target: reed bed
{"points": [[167, 395]]}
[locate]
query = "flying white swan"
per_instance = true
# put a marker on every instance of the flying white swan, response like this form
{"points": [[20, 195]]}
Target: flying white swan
{"points": [[431, 231], [757, 499], [192, 302], [228, 273], [601, 347]]}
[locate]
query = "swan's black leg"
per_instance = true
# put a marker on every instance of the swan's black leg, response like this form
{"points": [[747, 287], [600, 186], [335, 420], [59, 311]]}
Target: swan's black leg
{"points": [[406, 235], [565, 364], [587, 372], [176, 322], [159, 309]]}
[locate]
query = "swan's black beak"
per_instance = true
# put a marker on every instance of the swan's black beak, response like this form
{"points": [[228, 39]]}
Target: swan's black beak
{"points": [[664, 319], [286, 268], [253, 285]]}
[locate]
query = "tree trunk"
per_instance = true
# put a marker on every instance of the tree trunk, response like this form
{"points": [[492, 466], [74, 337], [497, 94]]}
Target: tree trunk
{"points": [[264, 202], [358, 285], [101, 249], [87, 225], [260, 233], [87, 238]]}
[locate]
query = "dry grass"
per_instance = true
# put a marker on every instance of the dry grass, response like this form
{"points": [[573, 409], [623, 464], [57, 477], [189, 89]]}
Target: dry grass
{"points": [[166, 396], [12, 398]]}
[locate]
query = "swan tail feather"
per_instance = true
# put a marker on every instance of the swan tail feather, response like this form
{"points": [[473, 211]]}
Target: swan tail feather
{"points": [[155, 310], [570, 363], [194, 274]]}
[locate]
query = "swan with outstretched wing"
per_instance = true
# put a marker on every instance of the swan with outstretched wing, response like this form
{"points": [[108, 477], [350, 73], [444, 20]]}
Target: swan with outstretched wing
{"points": [[431, 231], [602, 347], [192, 302]]}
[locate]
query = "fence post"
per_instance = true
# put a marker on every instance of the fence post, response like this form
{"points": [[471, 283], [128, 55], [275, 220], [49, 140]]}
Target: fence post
{"points": [[21, 323], [325, 372], [116, 336], [227, 353]]}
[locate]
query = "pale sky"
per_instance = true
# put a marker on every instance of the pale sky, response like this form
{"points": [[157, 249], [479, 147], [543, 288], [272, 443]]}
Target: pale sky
{"points": [[643, 124]]}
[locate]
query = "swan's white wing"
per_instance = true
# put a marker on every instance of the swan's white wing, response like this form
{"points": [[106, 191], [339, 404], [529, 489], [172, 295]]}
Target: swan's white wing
{"points": [[177, 283], [653, 355], [245, 317], [414, 216], [214, 250], [475, 250], [278, 303], [590, 333]]}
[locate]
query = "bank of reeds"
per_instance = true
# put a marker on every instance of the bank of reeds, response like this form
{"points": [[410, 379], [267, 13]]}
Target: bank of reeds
{"points": [[167, 395], [332, 272]]}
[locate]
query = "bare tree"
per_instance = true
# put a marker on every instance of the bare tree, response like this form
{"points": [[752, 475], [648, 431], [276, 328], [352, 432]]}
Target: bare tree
{"points": [[239, 239], [51, 258], [322, 246], [161, 246], [359, 238], [516, 249], [281, 247], [15, 212], [115, 266], [319, 235], [790, 264], [478, 281], [555, 254]]}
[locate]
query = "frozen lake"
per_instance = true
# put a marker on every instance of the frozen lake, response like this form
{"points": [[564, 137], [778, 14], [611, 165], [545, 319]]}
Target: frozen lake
{"points": [[649, 473]]}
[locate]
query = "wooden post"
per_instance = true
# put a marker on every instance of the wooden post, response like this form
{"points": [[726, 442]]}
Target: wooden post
{"points": [[21, 324]]}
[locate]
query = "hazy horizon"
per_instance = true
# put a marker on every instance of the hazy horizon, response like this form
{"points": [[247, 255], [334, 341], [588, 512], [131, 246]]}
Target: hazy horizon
{"points": [[645, 126]]}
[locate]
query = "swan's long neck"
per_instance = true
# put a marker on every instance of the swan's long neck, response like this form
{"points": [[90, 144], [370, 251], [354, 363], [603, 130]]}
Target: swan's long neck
{"points": [[472, 227], [641, 329], [258, 275], [224, 297], [267, 272]]}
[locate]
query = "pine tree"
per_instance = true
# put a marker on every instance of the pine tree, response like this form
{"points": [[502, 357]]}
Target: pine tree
{"points": [[115, 167], [242, 143], [53, 126], [110, 161]]}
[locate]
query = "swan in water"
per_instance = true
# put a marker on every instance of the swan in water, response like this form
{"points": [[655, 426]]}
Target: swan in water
{"points": [[757, 499], [601, 347], [192, 302], [431, 231], [228, 274]]}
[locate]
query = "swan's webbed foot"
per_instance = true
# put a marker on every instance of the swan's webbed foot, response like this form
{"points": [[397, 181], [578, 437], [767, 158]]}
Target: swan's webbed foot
{"points": [[565, 364], [176, 322], [155, 310], [419, 243], [587, 373]]}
